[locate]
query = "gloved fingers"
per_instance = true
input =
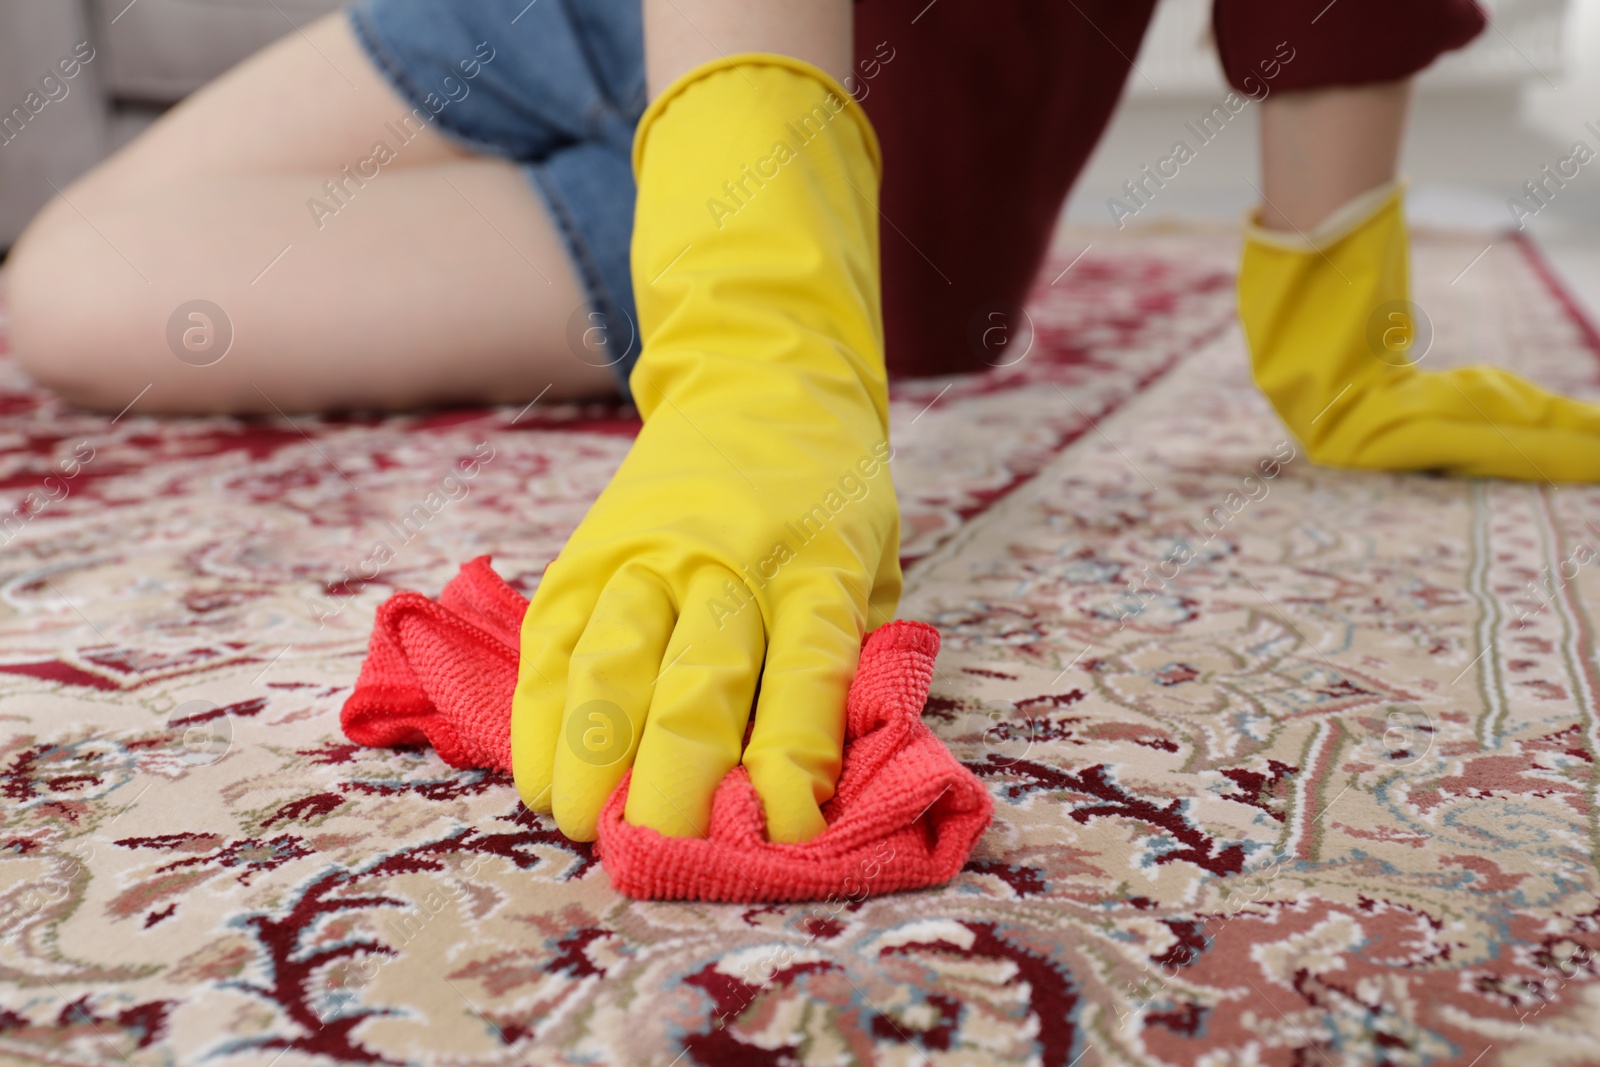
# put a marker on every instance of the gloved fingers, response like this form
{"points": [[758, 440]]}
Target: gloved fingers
{"points": [[1504, 397], [700, 707], [550, 630], [797, 746], [887, 582], [1486, 450], [609, 682]]}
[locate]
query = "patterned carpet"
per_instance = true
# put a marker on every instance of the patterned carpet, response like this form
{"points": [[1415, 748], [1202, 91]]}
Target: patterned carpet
{"points": [[1321, 795]]}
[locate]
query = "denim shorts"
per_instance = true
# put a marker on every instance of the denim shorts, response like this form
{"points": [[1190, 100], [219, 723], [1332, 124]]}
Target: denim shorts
{"points": [[557, 86]]}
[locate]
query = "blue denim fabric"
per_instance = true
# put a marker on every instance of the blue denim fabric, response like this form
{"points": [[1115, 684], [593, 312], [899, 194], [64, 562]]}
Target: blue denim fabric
{"points": [[555, 85]]}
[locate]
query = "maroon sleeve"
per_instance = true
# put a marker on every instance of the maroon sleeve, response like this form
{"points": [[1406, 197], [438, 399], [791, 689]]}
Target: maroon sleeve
{"points": [[1285, 45]]}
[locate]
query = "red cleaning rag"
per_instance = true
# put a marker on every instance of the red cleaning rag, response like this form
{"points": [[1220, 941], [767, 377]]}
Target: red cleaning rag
{"points": [[906, 814]]}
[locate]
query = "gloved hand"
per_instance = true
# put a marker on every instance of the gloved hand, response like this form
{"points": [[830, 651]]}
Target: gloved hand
{"points": [[752, 531], [1333, 345]]}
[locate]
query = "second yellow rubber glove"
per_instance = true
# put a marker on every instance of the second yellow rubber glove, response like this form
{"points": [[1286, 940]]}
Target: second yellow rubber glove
{"points": [[1333, 344], [751, 534]]}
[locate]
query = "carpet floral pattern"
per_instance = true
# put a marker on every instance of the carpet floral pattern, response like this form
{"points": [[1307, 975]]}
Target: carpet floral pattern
{"points": [[1323, 793]]}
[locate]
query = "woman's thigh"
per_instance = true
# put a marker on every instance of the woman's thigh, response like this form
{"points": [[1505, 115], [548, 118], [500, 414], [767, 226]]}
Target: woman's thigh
{"points": [[340, 279], [310, 103]]}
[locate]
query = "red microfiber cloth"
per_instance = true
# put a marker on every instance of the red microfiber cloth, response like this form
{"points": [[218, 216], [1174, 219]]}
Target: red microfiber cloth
{"points": [[906, 814]]}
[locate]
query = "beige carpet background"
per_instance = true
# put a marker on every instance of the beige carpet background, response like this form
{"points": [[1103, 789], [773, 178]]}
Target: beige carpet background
{"points": [[1327, 798]]}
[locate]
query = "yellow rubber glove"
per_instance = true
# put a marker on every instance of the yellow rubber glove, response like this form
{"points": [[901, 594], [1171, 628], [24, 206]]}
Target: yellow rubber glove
{"points": [[1333, 345], [752, 532]]}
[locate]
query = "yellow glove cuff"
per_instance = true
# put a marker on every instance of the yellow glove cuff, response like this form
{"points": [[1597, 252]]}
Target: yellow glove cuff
{"points": [[753, 59], [1345, 220], [755, 243]]}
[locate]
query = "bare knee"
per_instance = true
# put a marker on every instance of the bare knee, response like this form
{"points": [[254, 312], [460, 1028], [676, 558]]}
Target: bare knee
{"points": [[47, 316], [100, 342], [72, 324]]}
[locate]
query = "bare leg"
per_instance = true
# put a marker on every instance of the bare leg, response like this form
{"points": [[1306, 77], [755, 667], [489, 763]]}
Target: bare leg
{"points": [[682, 34], [440, 280], [1323, 148]]}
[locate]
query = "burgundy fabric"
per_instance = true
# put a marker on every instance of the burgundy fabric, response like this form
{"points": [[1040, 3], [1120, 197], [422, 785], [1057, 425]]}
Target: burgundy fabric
{"points": [[1347, 42], [987, 113]]}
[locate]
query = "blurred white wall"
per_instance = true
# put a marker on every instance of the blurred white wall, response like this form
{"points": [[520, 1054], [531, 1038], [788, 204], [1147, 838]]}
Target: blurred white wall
{"points": [[1575, 99]]}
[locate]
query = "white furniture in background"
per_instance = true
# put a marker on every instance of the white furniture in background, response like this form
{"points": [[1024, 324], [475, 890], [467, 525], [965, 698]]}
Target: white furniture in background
{"points": [[148, 54]]}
